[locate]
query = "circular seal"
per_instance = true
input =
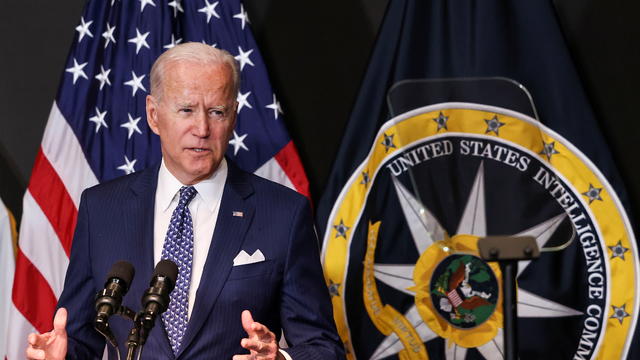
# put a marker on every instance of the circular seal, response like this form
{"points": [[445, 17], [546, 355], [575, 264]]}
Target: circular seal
{"points": [[464, 290], [435, 181]]}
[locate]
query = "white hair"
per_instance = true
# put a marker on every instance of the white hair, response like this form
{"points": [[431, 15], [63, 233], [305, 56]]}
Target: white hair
{"points": [[194, 52]]}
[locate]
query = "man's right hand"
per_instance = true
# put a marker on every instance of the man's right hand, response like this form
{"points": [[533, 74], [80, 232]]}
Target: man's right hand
{"points": [[51, 345]]}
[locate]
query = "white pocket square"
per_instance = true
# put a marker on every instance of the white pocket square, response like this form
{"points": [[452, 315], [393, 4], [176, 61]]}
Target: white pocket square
{"points": [[243, 258]]}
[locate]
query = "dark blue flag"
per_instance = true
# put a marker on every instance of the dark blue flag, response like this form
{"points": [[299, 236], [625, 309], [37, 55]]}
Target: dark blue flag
{"points": [[444, 147]]}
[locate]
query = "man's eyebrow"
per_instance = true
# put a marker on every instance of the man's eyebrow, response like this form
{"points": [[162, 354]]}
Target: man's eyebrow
{"points": [[185, 104]]}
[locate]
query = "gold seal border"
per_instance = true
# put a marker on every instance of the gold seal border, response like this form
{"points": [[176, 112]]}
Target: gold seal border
{"points": [[570, 163]]}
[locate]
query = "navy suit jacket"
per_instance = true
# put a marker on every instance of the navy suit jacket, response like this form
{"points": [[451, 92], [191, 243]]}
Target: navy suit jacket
{"points": [[115, 222]]}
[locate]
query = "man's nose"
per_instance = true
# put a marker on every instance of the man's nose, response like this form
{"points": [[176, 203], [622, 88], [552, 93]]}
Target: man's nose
{"points": [[201, 126]]}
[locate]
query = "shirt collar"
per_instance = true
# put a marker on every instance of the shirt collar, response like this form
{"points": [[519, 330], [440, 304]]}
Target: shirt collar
{"points": [[210, 189]]}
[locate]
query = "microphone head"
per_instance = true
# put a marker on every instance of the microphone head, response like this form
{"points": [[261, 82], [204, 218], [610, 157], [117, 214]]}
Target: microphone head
{"points": [[123, 271], [167, 269]]}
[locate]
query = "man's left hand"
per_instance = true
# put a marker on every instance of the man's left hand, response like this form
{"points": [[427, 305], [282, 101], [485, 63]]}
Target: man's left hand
{"points": [[260, 342]]}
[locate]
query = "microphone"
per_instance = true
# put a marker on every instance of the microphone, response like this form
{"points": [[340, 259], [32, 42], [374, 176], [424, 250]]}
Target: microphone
{"points": [[156, 299], [109, 299]]}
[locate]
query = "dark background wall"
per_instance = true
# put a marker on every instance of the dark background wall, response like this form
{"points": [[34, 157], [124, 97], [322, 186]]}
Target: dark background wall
{"points": [[316, 53]]}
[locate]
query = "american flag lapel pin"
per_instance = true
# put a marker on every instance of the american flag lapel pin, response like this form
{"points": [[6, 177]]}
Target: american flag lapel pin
{"points": [[238, 213]]}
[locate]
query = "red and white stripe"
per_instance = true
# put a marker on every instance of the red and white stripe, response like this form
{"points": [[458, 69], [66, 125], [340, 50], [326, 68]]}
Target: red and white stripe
{"points": [[60, 174], [454, 298], [50, 207], [285, 168]]}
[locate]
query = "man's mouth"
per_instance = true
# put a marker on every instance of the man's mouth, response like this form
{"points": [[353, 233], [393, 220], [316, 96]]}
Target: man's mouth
{"points": [[198, 150]]}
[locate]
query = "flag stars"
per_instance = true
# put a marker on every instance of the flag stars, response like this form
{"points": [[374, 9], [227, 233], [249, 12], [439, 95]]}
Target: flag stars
{"points": [[210, 10], [365, 179], [108, 35], [77, 71], [493, 125], [135, 83], [131, 126], [388, 142], [441, 120], [548, 150], [238, 143], [83, 29], [242, 15], [98, 119], [275, 106], [173, 42], [334, 288], [243, 101], [212, 45], [177, 7], [617, 251], [140, 40], [144, 3], [619, 313], [103, 77], [128, 166], [243, 58], [341, 229], [593, 193]]}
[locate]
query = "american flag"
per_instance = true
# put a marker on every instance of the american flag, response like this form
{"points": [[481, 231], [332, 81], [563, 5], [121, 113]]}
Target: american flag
{"points": [[97, 130]]}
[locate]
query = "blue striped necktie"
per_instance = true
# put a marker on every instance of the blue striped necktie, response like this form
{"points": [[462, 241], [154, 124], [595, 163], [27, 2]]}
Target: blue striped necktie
{"points": [[178, 247]]}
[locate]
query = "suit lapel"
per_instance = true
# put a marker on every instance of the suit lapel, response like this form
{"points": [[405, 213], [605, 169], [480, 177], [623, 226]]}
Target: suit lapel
{"points": [[227, 239], [141, 220], [141, 250]]}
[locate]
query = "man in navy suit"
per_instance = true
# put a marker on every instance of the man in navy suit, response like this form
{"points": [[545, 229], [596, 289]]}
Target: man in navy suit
{"points": [[251, 249]]}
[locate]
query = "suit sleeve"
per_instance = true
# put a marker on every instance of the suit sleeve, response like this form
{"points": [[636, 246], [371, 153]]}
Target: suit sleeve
{"points": [[306, 313], [79, 292]]}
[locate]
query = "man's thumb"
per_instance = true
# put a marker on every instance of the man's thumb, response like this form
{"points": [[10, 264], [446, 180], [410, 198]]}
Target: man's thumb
{"points": [[60, 320]]}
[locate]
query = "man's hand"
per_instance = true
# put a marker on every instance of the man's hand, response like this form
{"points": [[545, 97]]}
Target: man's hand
{"points": [[51, 345], [260, 341]]}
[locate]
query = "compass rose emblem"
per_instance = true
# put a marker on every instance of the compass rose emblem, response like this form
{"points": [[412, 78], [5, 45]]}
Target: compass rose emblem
{"points": [[402, 245]]}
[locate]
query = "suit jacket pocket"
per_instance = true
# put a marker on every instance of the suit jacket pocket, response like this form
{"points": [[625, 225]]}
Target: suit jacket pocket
{"points": [[262, 268]]}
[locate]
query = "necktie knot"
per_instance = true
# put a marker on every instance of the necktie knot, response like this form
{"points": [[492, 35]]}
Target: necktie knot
{"points": [[187, 194]]}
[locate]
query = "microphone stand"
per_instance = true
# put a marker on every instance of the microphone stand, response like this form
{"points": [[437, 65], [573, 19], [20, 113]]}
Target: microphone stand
{"points": [[138, 335], [507, 251], [133, 341], [154, 301], [102, 326]]}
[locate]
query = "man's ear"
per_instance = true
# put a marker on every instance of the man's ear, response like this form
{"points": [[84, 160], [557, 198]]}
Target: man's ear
{"points": [[152, 114]]}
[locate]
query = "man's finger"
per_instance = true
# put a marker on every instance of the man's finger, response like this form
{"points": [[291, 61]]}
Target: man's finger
{"points": [[254, 328], [247, 321], [259, 347], [60, 320], [32, 339], [242, 357], [263, 332], [252, 345], [38, 340], [33, 353]]}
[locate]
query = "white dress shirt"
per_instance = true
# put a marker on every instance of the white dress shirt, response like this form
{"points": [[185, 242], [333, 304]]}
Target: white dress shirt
{"points": [[204, 209]]}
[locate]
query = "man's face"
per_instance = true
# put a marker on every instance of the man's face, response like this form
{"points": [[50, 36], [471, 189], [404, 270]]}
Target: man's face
{"points": [[194, 118]]}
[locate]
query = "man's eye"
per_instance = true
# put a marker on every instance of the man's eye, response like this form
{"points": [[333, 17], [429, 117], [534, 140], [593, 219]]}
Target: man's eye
{"points": [[216, 113], [185, 110]]}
